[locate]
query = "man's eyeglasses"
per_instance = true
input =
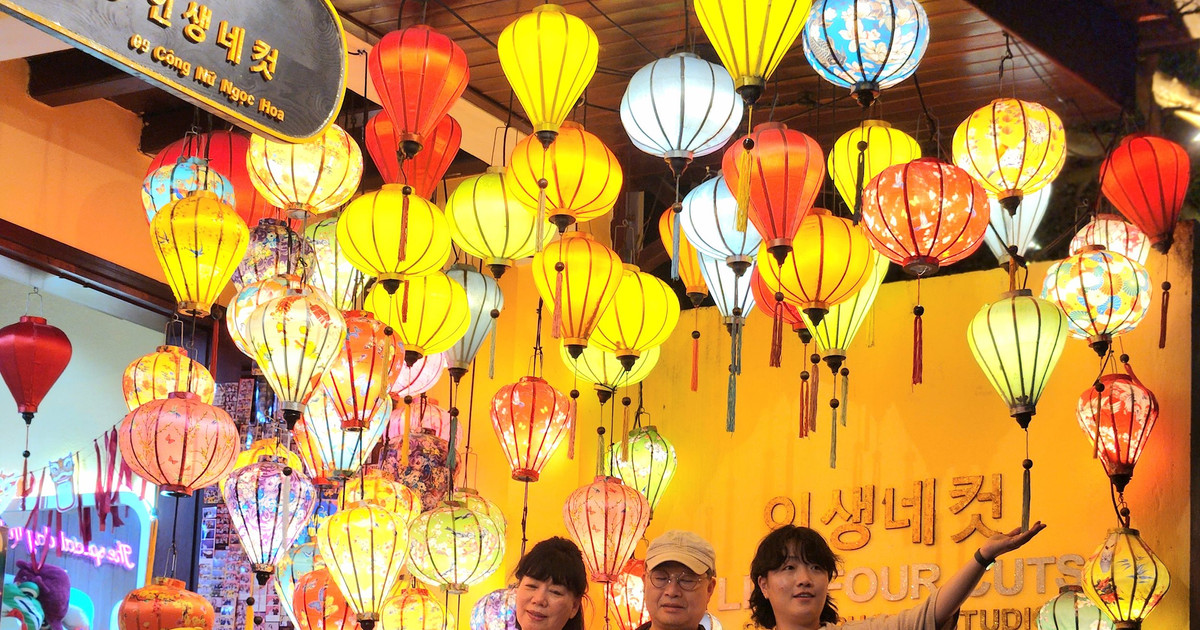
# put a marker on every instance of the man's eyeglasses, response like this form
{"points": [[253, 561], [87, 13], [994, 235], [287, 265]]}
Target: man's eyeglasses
{"points": [[686, 581]]}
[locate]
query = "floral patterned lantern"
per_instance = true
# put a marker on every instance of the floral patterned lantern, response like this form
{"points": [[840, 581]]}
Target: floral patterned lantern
{"points": [[485, 301], [357, 379], [642, 315], [751, 39], [226, 154], [425, 471], [307, 178], [418, 378], [709, 220], [582, 175], [453, 547], [363, 547], [168, 369], [318, 603], [429, 315], [863, 152], [530, 418], [413, 608], [1118, 414], [645, 461], [424, 171], [172, 182], [1071, 610], [488, 221], [237, 316], [374, 488], [606, 518], [577, 277], [496, 611], [274, 249], [331, 271], [179, 444], [393, 235], [1124, 578], [1111, 232], [1012, 147], [164, 605], [626, 596], [270, 504], [329, 452], [1103, 293], [1146, 178], [259, 449], [298, 562], [199, 241], [474, 501]]}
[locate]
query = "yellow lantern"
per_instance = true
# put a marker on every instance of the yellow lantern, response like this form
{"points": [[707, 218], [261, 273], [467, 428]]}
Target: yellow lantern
{"points": [[641, 316], [266, 447], [488, 221], [393, 234], [199, 241], [412, 608], [454, 547], [548, 56], [604, 370], [168, 369], [237, 315], [878, 146], [1124, 578], [685, 263], [428, 315], [374, 488], [840, 325], [311, 177], [751, 37], [577, 277], [1012, 147], [582, 176], [364, 549]]}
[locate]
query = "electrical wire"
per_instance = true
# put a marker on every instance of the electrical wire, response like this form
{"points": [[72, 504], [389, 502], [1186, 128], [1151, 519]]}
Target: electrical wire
{"points": [[622, 29]]}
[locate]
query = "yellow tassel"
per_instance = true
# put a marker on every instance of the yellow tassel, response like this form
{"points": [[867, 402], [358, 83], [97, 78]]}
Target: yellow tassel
{"points": [[742, 194]]}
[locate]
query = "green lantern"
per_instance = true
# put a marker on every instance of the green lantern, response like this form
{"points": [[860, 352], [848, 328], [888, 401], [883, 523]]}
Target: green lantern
{"points": [[646, 461], [1071, 610]]}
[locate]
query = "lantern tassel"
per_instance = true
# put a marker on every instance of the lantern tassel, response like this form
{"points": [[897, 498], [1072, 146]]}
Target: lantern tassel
{"points": [[404, 226], [735, 368], [404, 304], [573, 420], [777, 333], [695, 360], [813, 392], [677, 210], [804, 394], [833, 423], [1162, 322], [492, 356], [745, 165], [453, 443], [557, 325], [858, 180], [404, 441], [918, 345], [1026, 491], [625, 435], [845, 393], [541, 219]]}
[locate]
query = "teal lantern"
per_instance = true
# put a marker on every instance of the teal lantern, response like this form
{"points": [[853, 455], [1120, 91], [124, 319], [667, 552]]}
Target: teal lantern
{"points": [[172, 182], [485, 301]]}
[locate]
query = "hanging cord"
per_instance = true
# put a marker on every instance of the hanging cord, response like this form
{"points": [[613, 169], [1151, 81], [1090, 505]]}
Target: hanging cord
{"points": [[623, 30], [1119, 506], [1166, 304], [935, 129], [537, 360], [1007, 58], [524, 521], [918, 367], [695, 380], [173, 551]]}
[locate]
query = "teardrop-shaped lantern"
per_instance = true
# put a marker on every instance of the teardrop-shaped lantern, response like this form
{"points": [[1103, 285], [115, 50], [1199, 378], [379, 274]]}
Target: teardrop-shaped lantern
{"points": [[424, 171], [767, 304], [329, 452], [299, 561], [179, 444], [644, 461], [357, 379], [732, 294], [172, 182], [270, 504], [274, 249], [686, 260], [156, 375], [1124, 578], [237, 315], [418, 378], [485, 302], [865, 46], [374, 488], [332, 271], [1146, 178], [1117, 415], [530, 418], [226, 154], [1016, 229], [496, 611], [453, 547], [33, 354], [428, 315], [642, 315], [164, 604], [751, 38], [582, 175], [1103, 294], [709, 221], [1017, 341], [604, 370], [1012, 147], [307, 178], [548, 57], [199, 242], [418, 73], [576, 276], [626, 596], [392, 235], [260, 449], [318, 603], [863, 152], [413, 608], [839, 327], [363, 547], [488, 221], [1114, 233], [606, 518]]}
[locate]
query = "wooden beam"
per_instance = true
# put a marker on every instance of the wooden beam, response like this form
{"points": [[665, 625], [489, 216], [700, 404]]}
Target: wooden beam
{"points": [[72, 76]]}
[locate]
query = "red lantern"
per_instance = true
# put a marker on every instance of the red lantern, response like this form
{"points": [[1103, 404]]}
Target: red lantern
{"points": [[164, 605], [418, 73], [318, 604], [425, 170], [356, 382], [1146, 178], [1117, 414], [530, 418], [33, 354], [770, 301], [606, 518], [179, 443], [627, 596], [226, 153], [779, 176]]}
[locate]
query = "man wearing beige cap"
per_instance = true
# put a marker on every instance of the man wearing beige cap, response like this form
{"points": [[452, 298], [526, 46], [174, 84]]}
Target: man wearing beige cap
{"points": [[680, 572]]}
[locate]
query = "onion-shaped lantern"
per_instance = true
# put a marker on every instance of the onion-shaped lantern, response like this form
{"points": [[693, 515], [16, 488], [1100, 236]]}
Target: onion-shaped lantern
{"points": [[686, 262], [172, 182], [332, 271], [318, 603], [179, 444], [163, 604], [606, 518], [1072, 610], [1124, 578], [363, 547], [1118, 414], [779, 175], [1019, 228], [329, 452], [548, 56], [1103, 294], [925, 214], [168, 369], [413, 608], [488, 221], [709, 220], [357, 379], [1113, 233], [604, 370], [33, 354], [644, 461], [259, 449], [863, 152], [626, 596], [418, 73], [426, 469], [274, 249], [424, 171], [418, 378], [751, 38], [640, 316], [837, 330], [226, 154], [582, 175], [530, 418], [393, 235], [298, 562], [307, 178], [577, 277], [1017, 341], [454, 547], [679, 108], [496, 611], [199, 241], [865, 46], [237, 315], [485, 302], [429, 315], [270, 503], [1012, 147], [1146, 178]]}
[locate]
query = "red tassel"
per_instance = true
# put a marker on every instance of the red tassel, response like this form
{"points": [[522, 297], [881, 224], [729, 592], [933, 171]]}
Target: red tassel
{"points": [[556, 329], [1162, 324], [777, 332], [695, 360], [404, 227], [804, 403], [918, 346], [404, 304]]}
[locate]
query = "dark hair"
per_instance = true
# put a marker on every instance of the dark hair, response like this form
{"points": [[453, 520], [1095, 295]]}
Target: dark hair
{"points": [[559, 561], [773, 552]]}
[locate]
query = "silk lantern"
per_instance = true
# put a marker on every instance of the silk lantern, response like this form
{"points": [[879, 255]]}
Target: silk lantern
{"points": [[418, 378], [453, 547], [237, 314], [172, 182], [577, 277], [865, 45], [1124, 578], [329, 452], [226, 154], [496, 611], [1146, 178], [363, 547], [709, 220], [1071, 610], [645, 461], [837, 329], [1017, 229], [270, 504], [425, 170], [413, 608], [474, 501], [318, 603], [548, 57], [642, 315], [732, 294], [626, 596], [530, 419], [332, 271], [485, 302], [1111, 232], [156, 375], [418, 73], [685, 262], [606, 519], [778, 172], [863, 152], [582, 175], [428, 316], [770, 302], [307, 178], [259, 449], [488, 221], [179, 444], [1103, 294], [751, 38], [164, 604], [199, 242], [1012, 147], [33, 354], [297, 562], [425, 469], [1117, 415], [604, 370], [426, 414], [273, 249], [393, 235], [356, 381], [374, 488]]}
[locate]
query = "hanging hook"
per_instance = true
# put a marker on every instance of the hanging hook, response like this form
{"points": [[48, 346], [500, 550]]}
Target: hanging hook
{"points": [[41, 304]]}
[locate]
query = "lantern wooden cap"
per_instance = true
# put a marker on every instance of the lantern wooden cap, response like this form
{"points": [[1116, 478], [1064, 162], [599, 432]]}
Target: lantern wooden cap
{"points": [[1070, 588], [631, 267], [820, 212], [32, 319], [770, 125], [552, 8], [358, 313], [169, 582], [875, 122], [1017, 293], [1125, 531], [170, 349]]}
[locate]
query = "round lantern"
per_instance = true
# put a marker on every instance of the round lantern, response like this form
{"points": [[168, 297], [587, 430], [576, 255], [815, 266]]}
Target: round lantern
{"points": [[474, 501], [626, 596], [496, 611], [331, 270], [413, 608], [418, 73], [582, 175], [329, 452], [1113, 233], [863, 152], [925, 214], [577, 277], [199, 242], [837, 330], [179, 444], [357, 379], [548, 56], [1103, 293], [168, 369], [33, 354], [418, 378], [1012, 147], [318, 603], [1146, 178], [1118, 414], [295, 339], [606, 518], [783, 173], [226, 154], [298, 562], [530, 418], [237, 315], [604, 370], [485, 302], [428, 315], [865, 46], [1124, 578], [1017, 229], [164, 604], [1017, 341], [709, 220], [679, 108], [732, 294], [424, 171], [1071, 610], [453, 547], [488, 221], [363, 547], [374, 488], [259, 449], [751, 39], [273, 249], [640, 316], [270, 504], [644, 461], [172, 182], [425, 470], [307, 178], [393, 235], [685, 262]]}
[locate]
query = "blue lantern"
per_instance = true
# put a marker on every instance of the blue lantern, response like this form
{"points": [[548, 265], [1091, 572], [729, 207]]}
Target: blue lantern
{"points": [[1016, 228], [172, 182], [709, 219], [735, 299], [485, 302]]}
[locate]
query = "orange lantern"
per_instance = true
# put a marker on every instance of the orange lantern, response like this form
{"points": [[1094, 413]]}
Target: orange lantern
{"points": [[422, 172], [164, 605], [179, 443], [627, 596], [606, 518], [685, 263], [582, 176], [356, 382], [1117, 414], [168, 369], [318, 604], [1146, 178], [530, 418], [577, 277]]}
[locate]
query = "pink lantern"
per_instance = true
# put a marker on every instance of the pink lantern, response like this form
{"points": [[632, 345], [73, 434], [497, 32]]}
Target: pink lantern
{"points": [[627, 596], [606, 518], [418, 378], [179, 443], [530, 418]]}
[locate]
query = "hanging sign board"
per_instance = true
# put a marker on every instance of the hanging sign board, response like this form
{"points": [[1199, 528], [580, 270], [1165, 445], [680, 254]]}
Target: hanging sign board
{"points": [[274, 67]]}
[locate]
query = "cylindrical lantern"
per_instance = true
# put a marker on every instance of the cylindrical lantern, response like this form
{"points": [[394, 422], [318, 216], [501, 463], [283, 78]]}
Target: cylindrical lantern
{"points": [[1118, 414], [751, 38], [496, 611], [604, 370], [307, 178], [485, 302], [606, 518], [329, 452], [318, 603], [530, 418], [357, 379], [1012, 147], [686, 261], [274, 249], [33, 354], [172, 182], [1103, 294], [424, 171], [1017, 229], [199, 242], [577, 277], [393, 235], [645, 461], [164, 605], [226, 154], [1071, 610], [1146, 178], [156, 375], [626, 596], [863, 152], [488, 221], [270, 503], [179, 444], [583, 177], [453, 547], [363, 547], [1124, 578], [413, 608], [332, 271], [428, 315], [709, 221], [642, 315], [1113, 233]]}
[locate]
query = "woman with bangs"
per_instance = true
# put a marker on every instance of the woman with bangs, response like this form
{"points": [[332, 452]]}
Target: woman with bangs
{"points": [[552, 583], [793, 566]]}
